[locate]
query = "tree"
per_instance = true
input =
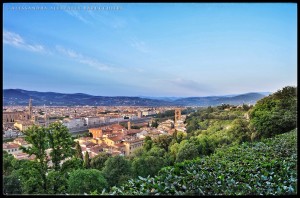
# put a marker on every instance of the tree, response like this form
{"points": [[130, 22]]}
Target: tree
{"points": [[32, 182], [155, 158], [209, 109], [239, 131], [116, 167], [37, 137], [187, 151], [7, 166], [57, 183], [86, 162], [11, 184], [206, 145], [193, 125], [276, 113], [156, 151], [174, 150], [136, 153], [180, 136], [71, 164], [60, 141], [163, 141], [86, 181], [147, 143], [154, 165], [154, 123], [99, 160], [78, 151], [246, 107]]}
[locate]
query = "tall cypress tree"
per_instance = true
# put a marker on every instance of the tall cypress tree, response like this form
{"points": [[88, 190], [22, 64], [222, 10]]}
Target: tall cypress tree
{"points": [[86, 162], [78, 151]]}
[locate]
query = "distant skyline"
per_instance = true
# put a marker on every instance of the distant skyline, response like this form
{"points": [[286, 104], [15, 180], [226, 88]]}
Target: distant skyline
{"points": [[145, 49]]}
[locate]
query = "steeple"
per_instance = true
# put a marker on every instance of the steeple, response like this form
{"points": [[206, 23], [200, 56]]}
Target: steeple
{"points": [[30, 108]]}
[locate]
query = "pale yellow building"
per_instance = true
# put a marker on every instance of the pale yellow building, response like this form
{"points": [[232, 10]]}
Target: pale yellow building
{"points": [[132, 145], [23, 125]]}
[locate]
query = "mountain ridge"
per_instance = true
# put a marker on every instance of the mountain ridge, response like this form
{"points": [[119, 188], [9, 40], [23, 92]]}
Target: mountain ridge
{"points": [[21, 97]]}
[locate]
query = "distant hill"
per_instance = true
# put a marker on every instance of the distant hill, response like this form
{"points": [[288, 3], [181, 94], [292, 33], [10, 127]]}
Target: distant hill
{"points": [[248, 98], [21, 97]]}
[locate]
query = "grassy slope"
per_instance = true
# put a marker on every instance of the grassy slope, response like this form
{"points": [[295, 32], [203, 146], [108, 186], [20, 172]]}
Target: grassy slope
{"points": [[261, 168]]}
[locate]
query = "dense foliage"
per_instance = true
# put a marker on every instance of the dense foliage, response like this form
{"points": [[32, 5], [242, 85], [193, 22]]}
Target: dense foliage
{"points": [[116, 170], [85, 181], [260, 168], [276, 113]]}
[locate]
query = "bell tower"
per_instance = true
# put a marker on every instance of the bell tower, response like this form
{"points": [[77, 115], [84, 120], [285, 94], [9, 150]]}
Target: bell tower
{"points": [[129, 125], [177, 114], [30, 108]]}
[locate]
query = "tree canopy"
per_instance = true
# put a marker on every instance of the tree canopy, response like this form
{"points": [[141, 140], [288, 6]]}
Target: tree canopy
{"points": [[276, 113], [86, 181]]}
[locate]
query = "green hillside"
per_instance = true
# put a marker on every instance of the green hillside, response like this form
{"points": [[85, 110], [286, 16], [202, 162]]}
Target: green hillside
{"points": [[267, 167]]}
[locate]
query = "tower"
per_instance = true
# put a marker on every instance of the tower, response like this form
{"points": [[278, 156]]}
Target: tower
{"points": [[30, 108], [177, 114], [139, 114], [129, 125]]}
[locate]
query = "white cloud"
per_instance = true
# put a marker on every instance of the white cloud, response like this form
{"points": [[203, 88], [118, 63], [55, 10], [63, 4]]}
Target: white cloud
{"points": [[77, 15], [109, 19], [83, 59], [13, 39], [139, 45]]}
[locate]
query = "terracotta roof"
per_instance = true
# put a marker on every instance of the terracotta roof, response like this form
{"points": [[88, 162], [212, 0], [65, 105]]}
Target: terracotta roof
{"points": [[119, 145], [95, 128], [104, 145], [117, 127], [107, 131], [135, 140], [20, 141], [10, 145], [133, 131], [25, 156], [90, 144], [96, 149], [116, 138]]}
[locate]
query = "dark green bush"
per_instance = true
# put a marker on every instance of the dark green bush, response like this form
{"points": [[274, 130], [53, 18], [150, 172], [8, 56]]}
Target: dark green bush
{"points": [[260, 168]]}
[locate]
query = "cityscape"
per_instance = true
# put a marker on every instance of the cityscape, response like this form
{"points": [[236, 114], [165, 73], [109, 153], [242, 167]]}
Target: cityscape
{"points": [[149, 99], [101, 122]]}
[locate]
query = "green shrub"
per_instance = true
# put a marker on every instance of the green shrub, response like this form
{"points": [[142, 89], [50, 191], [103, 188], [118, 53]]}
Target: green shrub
{"points": [[260, 168]]}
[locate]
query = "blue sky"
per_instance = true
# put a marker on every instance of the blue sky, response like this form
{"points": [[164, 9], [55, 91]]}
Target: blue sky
{"points": [[144, 49]]}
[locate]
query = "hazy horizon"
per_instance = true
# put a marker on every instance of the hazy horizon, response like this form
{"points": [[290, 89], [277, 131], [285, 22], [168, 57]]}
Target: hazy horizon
{"points": [[233, 94], [151, 50]]}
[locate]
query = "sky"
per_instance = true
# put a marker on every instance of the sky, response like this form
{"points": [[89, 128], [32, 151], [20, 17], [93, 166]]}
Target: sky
{"points": [[145, 49]]}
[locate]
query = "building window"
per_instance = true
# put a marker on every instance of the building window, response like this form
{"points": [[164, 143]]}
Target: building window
{"points": [[8, 150]]}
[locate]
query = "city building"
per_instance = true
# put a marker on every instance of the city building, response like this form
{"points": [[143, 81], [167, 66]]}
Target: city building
{"points": [[132, 145], [92, 121]]}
